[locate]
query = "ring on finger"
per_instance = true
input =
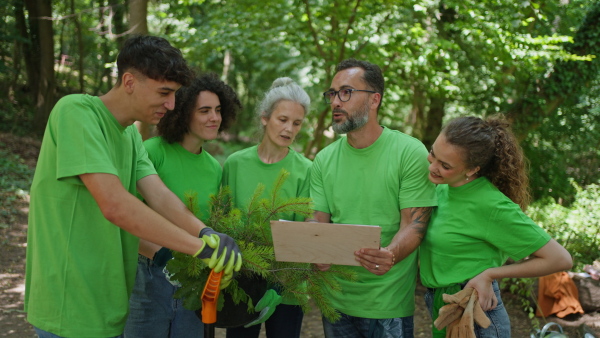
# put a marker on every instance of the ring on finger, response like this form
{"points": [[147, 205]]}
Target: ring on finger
{"points": [[376, 266]]}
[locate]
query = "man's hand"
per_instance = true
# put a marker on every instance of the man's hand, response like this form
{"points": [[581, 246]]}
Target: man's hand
{"points": [[219, 251], [266, 305], [377, 261]]}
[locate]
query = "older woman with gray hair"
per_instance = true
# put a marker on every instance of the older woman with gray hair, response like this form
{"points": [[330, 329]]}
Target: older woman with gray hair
{"points": [[281, 114]]}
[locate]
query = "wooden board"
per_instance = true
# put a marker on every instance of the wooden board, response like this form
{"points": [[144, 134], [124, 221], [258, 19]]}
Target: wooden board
{"points": [[328, 243]]}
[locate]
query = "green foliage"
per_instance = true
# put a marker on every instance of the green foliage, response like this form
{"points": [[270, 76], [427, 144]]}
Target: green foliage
{"points": [[16, 118], [560, 149], [14, 173], [523, 289], [252, 232], [440, 60], [577, 227], [15, 179]]}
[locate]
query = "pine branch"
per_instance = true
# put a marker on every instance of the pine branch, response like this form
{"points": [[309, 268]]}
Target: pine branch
{"points": [[281, 178], [252, 231], [190, 199]]}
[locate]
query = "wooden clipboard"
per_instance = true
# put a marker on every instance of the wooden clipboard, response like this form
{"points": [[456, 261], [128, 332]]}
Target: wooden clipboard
{"points": [[327, 243]]}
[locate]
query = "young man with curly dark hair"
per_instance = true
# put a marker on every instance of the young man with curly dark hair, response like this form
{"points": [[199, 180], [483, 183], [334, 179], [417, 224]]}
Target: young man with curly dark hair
{"points": [[85, 220], [202, 109]]}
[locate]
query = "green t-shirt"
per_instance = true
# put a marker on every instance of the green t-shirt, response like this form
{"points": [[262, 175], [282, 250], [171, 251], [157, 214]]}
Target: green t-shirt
{"points": [[243, 171], [183, 171], [80, 267], [371, 186], [475, 227]]}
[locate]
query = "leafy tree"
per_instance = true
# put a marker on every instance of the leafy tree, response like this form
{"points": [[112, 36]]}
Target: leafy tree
{"points": [[441, 59], [560, 148], [565, 80]]}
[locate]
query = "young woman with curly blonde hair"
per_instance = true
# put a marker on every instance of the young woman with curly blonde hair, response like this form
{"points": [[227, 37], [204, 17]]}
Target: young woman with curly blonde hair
{"points": [[482, 190]]}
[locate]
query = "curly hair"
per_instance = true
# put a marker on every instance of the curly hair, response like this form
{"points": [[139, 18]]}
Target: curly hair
{"points": [[153, 57], [176, 123], [491, 145]]}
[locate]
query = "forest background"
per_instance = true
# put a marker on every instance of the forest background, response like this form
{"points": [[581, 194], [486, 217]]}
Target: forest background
{"points": [[534, 61]]}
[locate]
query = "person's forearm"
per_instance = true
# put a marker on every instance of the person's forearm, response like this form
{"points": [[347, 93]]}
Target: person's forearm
{"points": [[403, 244], [177, 213], [148, 249], [129, 213], [413, 227], [166, 203], [145, 223], [549, 259]]}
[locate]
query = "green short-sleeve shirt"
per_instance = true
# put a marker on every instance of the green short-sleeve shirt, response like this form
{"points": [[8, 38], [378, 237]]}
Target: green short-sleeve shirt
{"points": [[475, 227], [80, 267], [184, 172], [243, 171], [371, 186]]}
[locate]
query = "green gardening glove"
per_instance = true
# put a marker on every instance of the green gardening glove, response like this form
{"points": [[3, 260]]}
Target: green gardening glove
{"points": [[220, 252], [266, 305], [209, 254]]}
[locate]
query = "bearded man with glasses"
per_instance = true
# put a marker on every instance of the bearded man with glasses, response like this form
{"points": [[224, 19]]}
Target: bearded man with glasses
{"points": [[377, 176]]}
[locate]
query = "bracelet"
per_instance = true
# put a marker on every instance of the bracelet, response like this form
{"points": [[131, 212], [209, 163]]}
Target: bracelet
{"points": [[393, 256]]}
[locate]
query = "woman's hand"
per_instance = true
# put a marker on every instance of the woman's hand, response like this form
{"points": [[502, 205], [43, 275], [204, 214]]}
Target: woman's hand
{"points": [[483, 284]]}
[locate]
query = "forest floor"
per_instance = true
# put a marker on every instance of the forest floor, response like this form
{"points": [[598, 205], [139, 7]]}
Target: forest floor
{"points": [[13, 243]]}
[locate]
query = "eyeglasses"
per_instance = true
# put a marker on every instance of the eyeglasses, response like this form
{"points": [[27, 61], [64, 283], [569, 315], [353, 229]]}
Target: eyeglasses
{"points": [[343, 94]]}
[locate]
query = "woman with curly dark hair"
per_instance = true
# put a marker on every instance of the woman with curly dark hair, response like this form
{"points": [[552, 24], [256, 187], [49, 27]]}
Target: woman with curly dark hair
{"points": [[482, 190], [202, 110]]}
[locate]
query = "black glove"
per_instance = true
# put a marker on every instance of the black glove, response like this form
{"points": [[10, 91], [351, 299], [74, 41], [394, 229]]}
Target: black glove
{"points": [[162, 257]]}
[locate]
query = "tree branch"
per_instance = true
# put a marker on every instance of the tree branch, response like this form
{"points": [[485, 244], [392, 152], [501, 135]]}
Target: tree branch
{"points": [[313, 32]]}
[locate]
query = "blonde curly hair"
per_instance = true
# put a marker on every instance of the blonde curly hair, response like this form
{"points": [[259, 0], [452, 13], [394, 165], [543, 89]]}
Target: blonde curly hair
{"points": [[491, 145]]}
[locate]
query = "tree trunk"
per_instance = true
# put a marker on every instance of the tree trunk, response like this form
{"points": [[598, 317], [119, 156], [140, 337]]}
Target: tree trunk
{"points": [[138, 24], [318, 141], [416, 117], [80, 47], [138, 16], [435, 116], [43, 46], [118, 24], [316, 144], [226, 65], [30, 51]]}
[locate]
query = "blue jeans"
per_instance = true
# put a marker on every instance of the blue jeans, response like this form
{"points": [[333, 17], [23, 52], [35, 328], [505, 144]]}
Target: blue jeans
{"points": [[153, 312], [357, 327], [46, 334], [500, 326], [285, 322]]}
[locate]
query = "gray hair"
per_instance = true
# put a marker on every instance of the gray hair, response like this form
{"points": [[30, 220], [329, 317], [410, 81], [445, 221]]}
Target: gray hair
{"points": [[282, 89]]}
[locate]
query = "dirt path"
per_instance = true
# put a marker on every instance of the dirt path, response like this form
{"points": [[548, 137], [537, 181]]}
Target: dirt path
{"points": [[13, 241]]}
